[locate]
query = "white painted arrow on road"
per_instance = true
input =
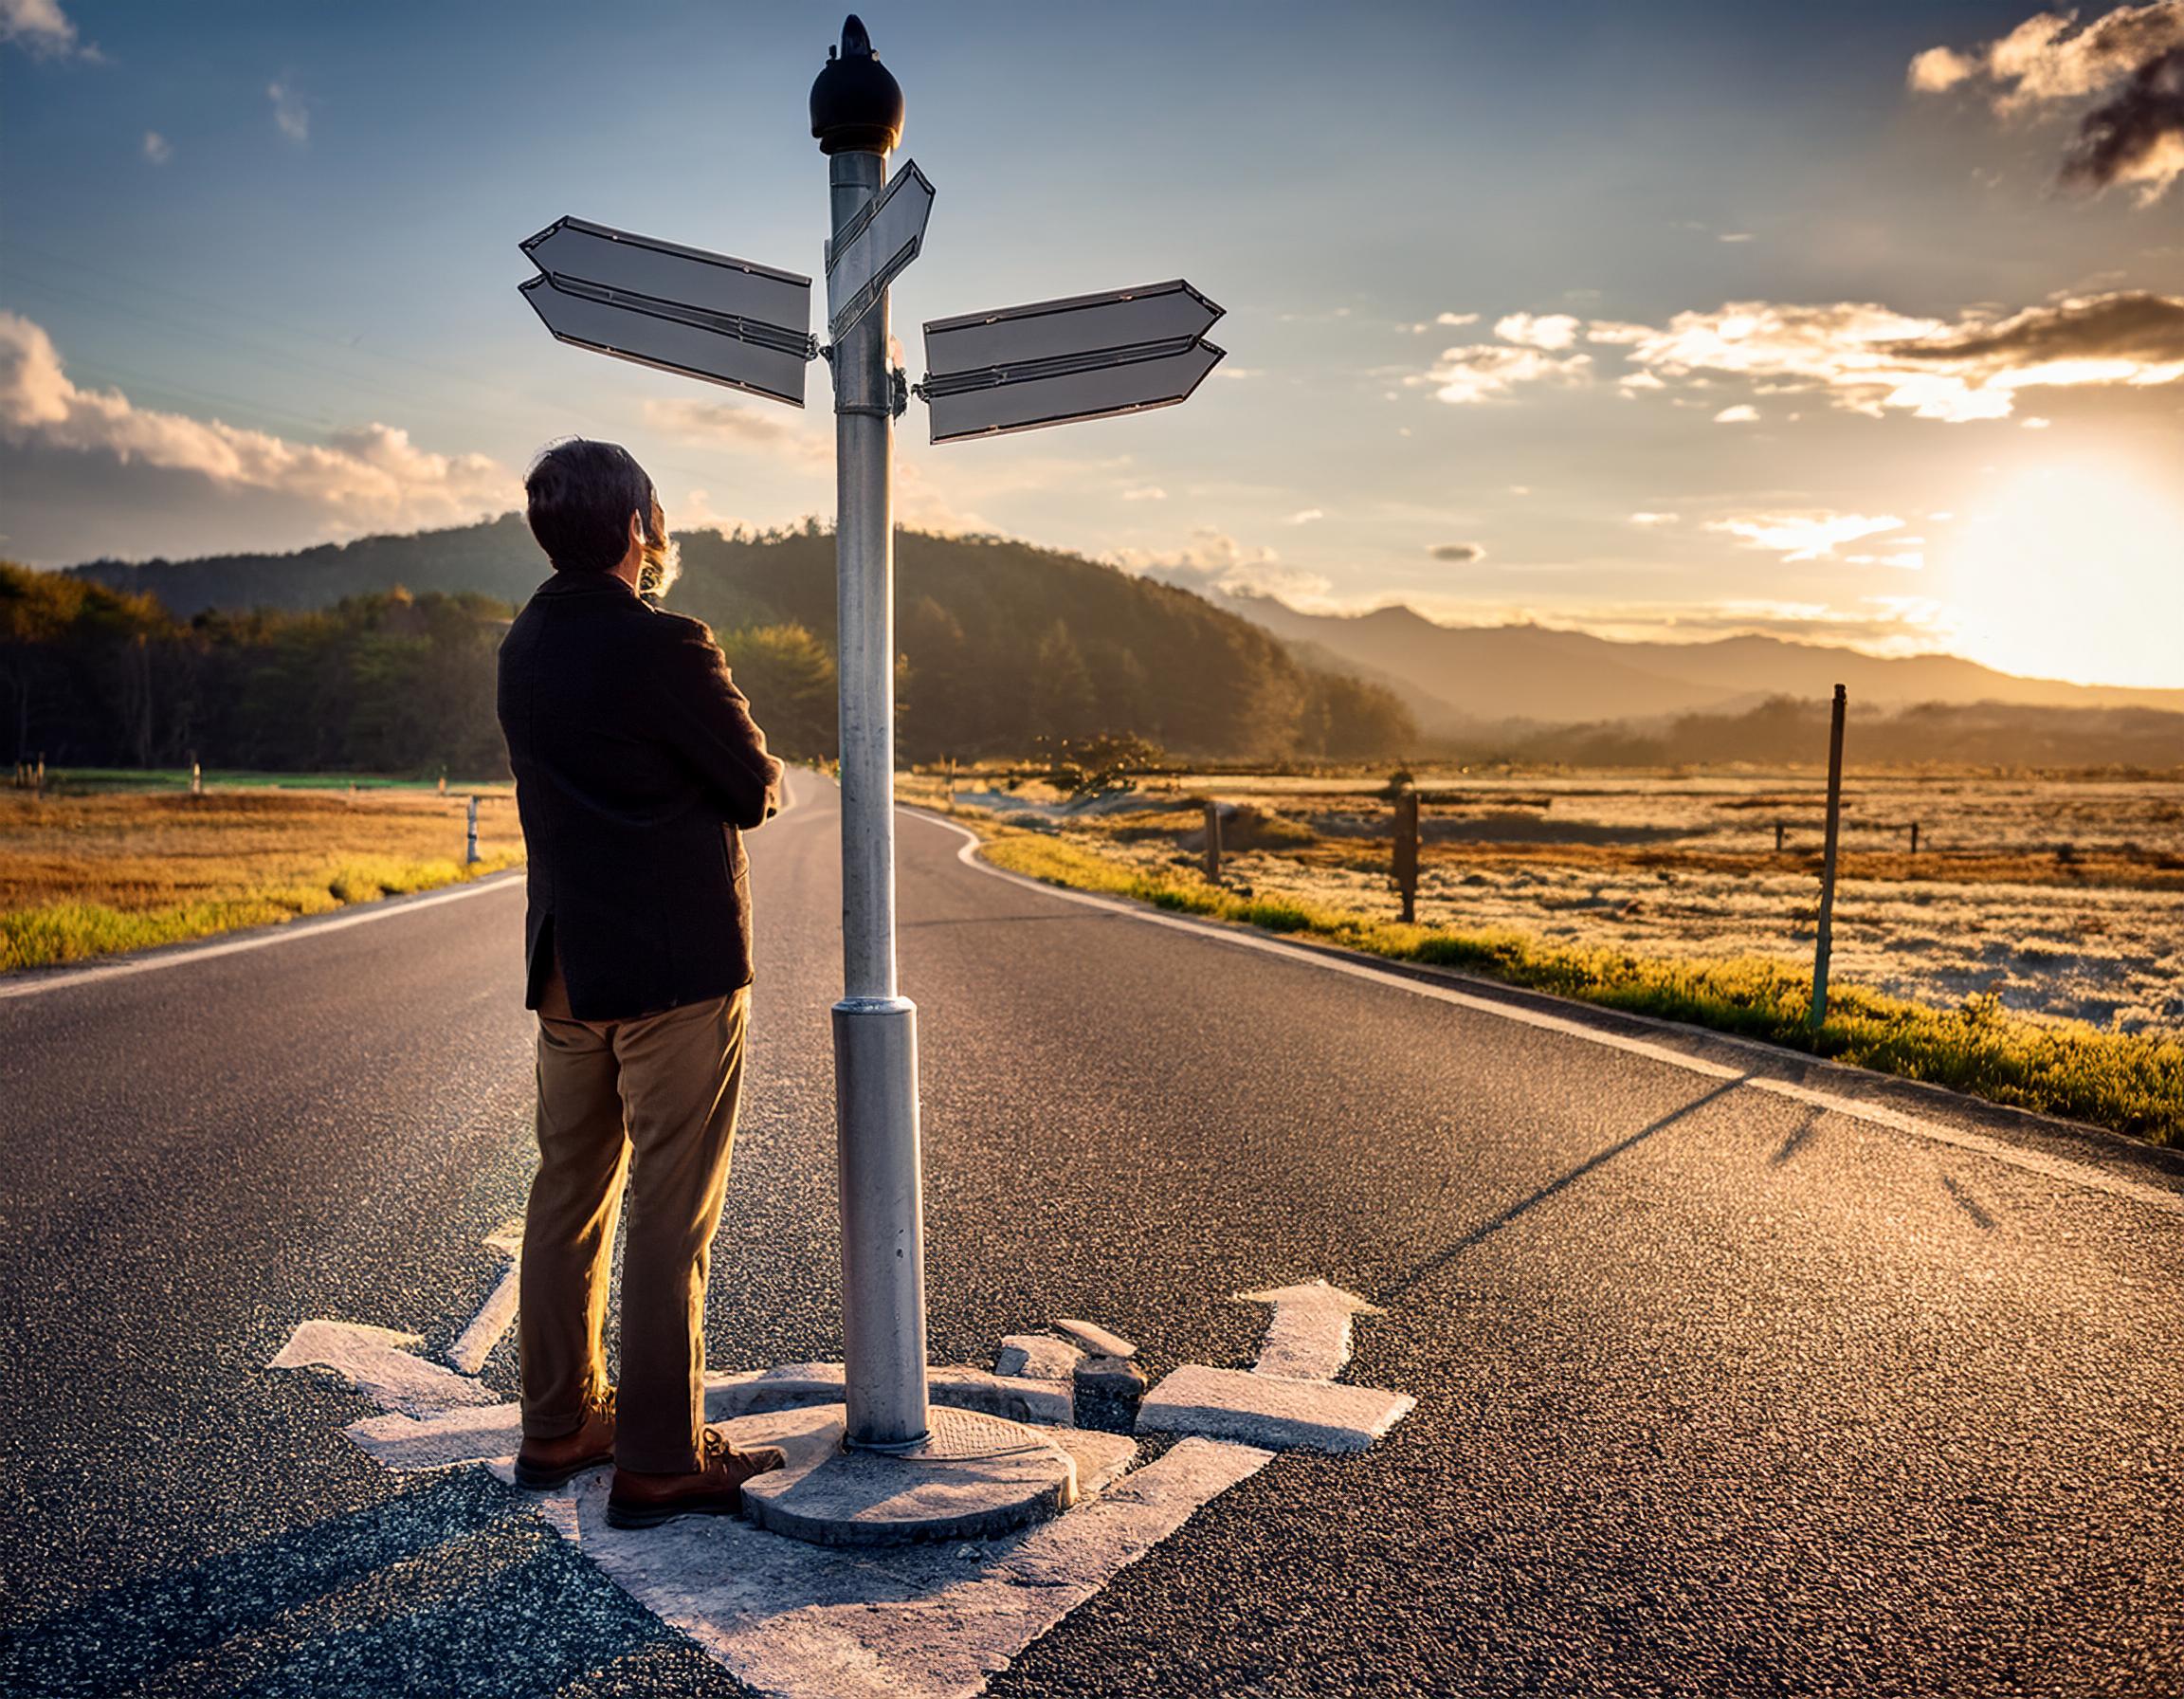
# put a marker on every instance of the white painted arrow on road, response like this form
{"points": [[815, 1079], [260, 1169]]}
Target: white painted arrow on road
{"points": [[1290, 1398], [1309, 1336]]}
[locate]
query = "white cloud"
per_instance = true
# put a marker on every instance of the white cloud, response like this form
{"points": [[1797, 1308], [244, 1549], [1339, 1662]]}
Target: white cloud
{"points": [[1654, 519], [1552, 331], [1803, 536], [157, 148], [1739, 415], [40, 29], [1212, 560], [2050, 57], [1735, 236], [1488, 371], [1305, 516], [2134, 56], [1150, 492], [699, 514], [691, 420], [369, 476], [1870, 359], [291, 112], [1456, 318]]}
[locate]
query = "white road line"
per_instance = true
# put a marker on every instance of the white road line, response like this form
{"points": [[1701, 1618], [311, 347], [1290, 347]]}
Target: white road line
{"points": [[476, 1341], [2033, 1161], [289, 933]]}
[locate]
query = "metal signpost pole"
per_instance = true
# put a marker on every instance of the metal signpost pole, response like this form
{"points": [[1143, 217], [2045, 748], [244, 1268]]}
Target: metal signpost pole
{"points": [[857, 112], [726, 320]]}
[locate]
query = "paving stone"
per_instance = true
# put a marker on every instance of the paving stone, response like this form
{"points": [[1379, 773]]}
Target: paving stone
{"points": [[1267, 1410], [1095, 1338], [1037, 1357], [802, 1385], [978, 1477], [1110, 1378]]}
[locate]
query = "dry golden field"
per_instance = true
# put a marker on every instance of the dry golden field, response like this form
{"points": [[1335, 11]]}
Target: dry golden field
{"points": [[2057, 897], [86, 875]]}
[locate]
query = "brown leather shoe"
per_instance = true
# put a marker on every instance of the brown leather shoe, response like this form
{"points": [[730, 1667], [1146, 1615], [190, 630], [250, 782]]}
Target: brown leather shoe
{"points": [[544, 1464], [646, 1501]]}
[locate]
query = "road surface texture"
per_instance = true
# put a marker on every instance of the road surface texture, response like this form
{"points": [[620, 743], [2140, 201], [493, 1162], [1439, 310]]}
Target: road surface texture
{"points": [[1718, 1391]]}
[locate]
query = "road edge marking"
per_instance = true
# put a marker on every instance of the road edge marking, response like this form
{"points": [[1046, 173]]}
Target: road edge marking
{"points": [[2031, 1161], [280, 933]]}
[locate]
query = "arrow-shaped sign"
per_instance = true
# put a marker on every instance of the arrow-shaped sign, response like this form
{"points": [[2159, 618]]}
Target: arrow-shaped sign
{"points": [[1052, 362], [1308, 1337], [874, 247], [680, 309]]}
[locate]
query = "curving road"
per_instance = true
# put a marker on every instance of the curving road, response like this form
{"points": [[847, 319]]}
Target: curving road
{"points": [[1734, 1375]]}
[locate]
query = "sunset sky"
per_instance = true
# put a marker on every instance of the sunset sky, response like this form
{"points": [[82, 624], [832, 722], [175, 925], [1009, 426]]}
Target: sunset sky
{"points": [[1860, 321]]}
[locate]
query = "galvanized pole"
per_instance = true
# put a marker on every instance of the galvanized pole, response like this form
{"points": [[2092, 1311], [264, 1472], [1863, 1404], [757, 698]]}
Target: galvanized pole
{"points": [[1825, 938], [875, 1027]]}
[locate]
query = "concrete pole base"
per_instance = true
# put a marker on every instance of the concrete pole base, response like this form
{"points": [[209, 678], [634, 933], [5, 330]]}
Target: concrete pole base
{"points": [[975, 1477]]}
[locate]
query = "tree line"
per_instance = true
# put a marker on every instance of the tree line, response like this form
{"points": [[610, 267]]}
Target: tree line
{"points": [[999, 646]]}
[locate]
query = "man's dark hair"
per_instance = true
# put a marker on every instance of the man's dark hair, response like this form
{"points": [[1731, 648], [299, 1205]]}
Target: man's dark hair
{"points": [[579, 496]]}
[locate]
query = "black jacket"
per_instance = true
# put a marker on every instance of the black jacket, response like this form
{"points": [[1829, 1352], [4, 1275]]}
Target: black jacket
{"points": [[637, 766]]}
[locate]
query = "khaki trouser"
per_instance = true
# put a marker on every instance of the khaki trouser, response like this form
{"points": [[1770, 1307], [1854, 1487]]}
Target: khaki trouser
{"points": [[663, 1087]]}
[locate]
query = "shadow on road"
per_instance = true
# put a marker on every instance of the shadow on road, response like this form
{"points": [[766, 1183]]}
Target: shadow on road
{"points": [[367, 1601], [1486, 1230]]}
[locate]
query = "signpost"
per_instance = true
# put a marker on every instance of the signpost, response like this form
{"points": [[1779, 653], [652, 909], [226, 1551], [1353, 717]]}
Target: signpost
{"points": [[680, 309], [730, 321], [1053, 363], [871, 248]]}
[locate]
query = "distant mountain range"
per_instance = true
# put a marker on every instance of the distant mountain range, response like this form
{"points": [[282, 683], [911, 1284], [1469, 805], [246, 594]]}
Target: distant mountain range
{"points": [[1461, 681], [1005, 642]]}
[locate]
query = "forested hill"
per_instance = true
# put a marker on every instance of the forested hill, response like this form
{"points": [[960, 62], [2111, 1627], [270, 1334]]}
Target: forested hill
{"points": [[379, 653]]}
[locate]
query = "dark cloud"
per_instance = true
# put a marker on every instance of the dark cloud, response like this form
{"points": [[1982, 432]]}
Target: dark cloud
{"points": [[2137, 137], [2134, 325], [1458, 550]]}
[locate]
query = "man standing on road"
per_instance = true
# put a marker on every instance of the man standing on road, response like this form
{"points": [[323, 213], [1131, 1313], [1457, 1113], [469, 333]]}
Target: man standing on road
{"points": [[638, 767]]}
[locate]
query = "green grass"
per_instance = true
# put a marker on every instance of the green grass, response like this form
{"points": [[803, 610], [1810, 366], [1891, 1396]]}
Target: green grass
{"points": [[2130, 1083]]}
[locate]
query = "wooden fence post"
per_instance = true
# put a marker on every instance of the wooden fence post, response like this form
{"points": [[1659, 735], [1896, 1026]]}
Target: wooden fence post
{"points": [[1914, 837], [1407, 853], [1212, 843], [1825, 935]]}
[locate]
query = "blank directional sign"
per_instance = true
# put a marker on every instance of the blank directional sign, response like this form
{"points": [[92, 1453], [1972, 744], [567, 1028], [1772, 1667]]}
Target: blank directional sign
{"points": [[875, 247], [1053, 363], [680, 309]]}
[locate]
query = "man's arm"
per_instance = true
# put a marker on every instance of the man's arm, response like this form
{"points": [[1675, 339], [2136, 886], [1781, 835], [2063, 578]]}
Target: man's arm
{"points": [[706, 720]]}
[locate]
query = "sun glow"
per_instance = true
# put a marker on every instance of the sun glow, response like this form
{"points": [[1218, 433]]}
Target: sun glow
{"points": [[2068, 572]]}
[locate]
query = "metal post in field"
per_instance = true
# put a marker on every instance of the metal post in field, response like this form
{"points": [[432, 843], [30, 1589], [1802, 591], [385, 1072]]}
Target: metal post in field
{"points": [[470, 857], [1825, 934], [1407, 853], [1914, 837], [196, 779], [1213, 853], [1779, 837]]}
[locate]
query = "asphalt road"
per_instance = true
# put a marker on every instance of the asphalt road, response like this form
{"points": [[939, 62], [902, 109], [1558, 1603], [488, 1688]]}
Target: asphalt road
{"points": [[1718, 1391]]}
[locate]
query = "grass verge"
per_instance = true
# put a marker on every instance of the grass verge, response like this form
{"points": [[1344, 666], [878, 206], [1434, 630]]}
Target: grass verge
{"points": [[88, 876], [2130, 1083]]}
